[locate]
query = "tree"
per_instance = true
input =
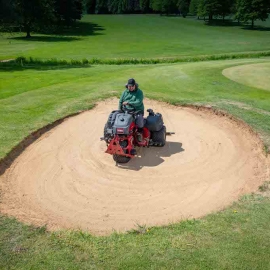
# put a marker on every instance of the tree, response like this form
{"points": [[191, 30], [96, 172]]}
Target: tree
{"points": [[209, 8], [164, 6], [90, 6], [183, 7], [34, 14], [133, 6], [68, 10], [193, 7], [118, 6], [170, 7], [145, 5], [40, 14], [78, 10], [7, 11], [27, 15], [102, 6], [252, 10], [156, 5], [226, 7]]}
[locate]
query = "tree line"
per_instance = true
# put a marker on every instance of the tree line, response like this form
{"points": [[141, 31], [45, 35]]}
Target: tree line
{"points": [[31, 15], [243, 10]]}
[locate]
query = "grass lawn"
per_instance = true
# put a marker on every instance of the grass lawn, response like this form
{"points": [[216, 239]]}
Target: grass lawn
{"points": [[33, 96], [137, 36]]}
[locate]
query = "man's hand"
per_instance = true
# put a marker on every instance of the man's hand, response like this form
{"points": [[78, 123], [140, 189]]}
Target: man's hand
{"points": [[125, 103]]}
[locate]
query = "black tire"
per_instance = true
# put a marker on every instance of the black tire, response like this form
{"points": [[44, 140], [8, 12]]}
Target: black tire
{"points": [[105, 130], [106, 138], [159, 137], [121, 159]]}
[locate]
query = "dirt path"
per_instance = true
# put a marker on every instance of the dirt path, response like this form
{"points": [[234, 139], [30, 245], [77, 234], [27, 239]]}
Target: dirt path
{"points": [[65, 179]]}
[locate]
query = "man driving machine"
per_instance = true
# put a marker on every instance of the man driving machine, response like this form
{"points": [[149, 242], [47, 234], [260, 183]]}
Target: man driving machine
{"points": [[134, 96]]}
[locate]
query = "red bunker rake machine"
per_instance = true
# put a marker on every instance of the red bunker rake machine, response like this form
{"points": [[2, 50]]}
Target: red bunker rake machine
{"points": [[122, 134]]}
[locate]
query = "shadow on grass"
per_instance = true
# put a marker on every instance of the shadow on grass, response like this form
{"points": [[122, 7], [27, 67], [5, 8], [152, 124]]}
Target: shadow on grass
{"points": [[65, 34], [226, 23], [171, 15], [256, 28], [11, 67], [153, 156], [230, 23], [46, 38], [81, 29]]}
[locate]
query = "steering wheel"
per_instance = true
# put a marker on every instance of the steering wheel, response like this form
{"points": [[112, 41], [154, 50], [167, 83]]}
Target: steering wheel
{"points": [[125, 109]]}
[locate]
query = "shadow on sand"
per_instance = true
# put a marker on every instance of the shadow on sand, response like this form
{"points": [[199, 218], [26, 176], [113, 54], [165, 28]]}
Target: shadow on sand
{"points": [[153, 156]]}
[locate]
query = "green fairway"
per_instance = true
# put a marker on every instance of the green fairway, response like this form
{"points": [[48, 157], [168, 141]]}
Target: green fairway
{"points": [[255, 75], [136, 36], [30, 98]]}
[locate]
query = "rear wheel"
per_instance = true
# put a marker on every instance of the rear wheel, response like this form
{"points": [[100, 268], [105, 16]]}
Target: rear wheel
{"points": [[105, 133], [107, 136], [105, 130], [159, 137]]}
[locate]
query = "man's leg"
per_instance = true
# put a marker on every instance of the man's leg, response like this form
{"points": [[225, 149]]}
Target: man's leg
{"points": [[140, 123]]}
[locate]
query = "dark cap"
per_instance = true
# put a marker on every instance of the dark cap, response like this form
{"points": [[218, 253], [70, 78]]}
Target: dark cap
{"points": [[131, 82]]}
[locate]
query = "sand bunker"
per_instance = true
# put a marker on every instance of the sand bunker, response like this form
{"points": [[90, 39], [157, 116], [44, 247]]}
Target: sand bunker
{"points": [[65, 180]]}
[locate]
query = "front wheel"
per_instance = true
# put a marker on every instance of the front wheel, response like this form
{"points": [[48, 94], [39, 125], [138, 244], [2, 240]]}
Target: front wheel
{"points": [[159, 137], [121, 159]]}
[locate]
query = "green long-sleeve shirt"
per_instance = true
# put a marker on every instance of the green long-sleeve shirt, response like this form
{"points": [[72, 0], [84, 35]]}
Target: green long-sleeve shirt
{"points": [[134, 98]]}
